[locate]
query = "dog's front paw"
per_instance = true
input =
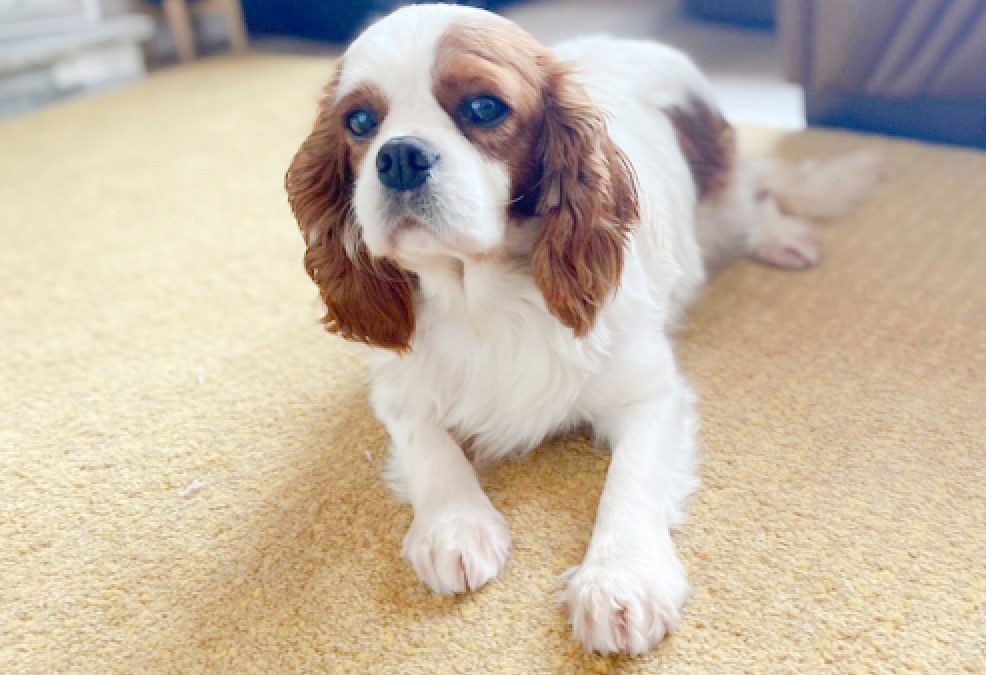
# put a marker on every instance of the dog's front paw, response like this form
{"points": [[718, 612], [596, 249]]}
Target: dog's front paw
{"points": [[624, 604], [458, 550]]}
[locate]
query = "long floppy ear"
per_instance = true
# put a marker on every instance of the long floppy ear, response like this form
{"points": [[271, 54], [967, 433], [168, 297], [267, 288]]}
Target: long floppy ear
{"points": [[367, 299], [587, 198]]}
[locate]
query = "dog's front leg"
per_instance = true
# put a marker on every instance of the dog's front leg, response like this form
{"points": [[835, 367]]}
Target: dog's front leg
{"points": [[457, 541], [630, 587]]}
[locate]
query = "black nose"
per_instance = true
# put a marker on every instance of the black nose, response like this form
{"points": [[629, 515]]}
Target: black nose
{"points": [[403, 162]]}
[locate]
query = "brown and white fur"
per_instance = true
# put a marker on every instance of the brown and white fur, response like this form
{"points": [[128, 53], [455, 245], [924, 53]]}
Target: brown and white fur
{"points": [[528, 286]]}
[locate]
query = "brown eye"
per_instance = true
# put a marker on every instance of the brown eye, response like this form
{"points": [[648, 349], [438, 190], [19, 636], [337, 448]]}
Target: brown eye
{"points": [[361, 123], [484, 110]]}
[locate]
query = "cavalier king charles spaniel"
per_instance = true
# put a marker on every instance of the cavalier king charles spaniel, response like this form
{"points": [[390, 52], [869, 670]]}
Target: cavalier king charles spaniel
{"points": [[515, 230]]}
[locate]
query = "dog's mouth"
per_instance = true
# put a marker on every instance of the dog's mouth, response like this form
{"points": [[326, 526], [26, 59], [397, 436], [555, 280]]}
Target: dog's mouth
{"points": [[408, 231], [418, 203], [405, 224], [417, 231]]}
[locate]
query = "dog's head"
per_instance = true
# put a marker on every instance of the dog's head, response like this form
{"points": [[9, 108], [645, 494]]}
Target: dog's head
{"points": [[449, 133]]}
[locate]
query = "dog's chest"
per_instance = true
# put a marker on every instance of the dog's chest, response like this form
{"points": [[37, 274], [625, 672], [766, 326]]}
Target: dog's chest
{"points": [[500, 376]]}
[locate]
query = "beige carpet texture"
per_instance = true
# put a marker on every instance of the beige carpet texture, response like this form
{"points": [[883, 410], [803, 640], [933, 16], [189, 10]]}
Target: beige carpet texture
{"points": [[190, 472]]}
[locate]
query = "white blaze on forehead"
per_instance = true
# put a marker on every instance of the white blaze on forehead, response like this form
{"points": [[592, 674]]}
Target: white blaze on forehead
{"points": [[397, 53]]}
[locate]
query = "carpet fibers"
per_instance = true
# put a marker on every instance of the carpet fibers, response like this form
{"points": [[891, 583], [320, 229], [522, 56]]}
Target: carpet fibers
{"points": [[190, 477]]}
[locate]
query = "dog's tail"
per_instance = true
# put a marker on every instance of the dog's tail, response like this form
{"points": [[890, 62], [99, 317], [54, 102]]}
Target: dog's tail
{"points": [[820, 189]]}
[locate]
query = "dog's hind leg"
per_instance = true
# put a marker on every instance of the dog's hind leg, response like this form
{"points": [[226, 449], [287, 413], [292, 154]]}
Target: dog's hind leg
{"points": [[770, 207]]}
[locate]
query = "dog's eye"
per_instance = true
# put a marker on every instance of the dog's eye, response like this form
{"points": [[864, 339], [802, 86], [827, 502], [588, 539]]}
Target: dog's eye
{"points": [[484, 111], [361, 123]]}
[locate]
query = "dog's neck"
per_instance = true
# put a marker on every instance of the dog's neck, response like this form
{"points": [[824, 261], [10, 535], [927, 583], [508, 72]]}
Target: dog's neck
{"points": [[476, 289]]}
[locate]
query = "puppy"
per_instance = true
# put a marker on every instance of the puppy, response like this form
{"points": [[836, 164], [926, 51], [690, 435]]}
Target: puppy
{"points": [[514, 230]]}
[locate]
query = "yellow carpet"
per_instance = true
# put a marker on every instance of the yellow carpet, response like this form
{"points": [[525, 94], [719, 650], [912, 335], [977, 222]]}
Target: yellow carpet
{"points": [[190, 472]]}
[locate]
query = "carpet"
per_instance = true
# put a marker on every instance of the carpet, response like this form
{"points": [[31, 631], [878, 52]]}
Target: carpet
{"points": [[190, 472]]}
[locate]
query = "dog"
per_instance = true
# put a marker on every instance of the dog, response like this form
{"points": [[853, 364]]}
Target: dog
{"points": [[515, 231]]}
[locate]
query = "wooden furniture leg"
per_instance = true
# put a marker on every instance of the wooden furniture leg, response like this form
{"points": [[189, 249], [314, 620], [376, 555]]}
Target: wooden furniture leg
{"points": [[235, 25], [180, 24]]}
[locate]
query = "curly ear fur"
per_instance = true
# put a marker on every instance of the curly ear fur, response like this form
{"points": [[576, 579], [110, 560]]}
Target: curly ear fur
{"points": [[587, 198], [367, 299]]}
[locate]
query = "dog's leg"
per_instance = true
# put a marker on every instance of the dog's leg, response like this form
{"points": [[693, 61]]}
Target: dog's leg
{"points": [[781, 240], [769, 208], [457, 541], [629, 589]]}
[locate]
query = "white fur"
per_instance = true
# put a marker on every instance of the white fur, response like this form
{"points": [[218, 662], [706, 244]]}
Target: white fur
{"points": [[489, 364]]}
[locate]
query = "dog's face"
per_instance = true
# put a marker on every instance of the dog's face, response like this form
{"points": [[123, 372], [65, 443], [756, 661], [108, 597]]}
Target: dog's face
{"points": [[450, 134], [439, 115]]}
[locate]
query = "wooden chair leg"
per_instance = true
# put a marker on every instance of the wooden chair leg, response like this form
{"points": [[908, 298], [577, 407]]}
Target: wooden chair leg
{"points": [[235, 25], [180, 24]]}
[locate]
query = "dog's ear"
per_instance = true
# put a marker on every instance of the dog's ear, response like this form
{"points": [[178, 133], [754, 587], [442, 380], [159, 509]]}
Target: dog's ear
{"points": [[367, 299], [587, 198]]}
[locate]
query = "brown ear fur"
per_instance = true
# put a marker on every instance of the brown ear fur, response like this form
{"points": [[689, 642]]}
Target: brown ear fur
{"points": [[587, 197], [367, 299]]}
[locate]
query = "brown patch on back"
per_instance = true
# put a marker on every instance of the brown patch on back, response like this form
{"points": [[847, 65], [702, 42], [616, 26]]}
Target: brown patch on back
{"points": [[708, 142]]}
